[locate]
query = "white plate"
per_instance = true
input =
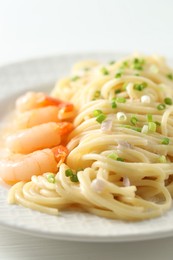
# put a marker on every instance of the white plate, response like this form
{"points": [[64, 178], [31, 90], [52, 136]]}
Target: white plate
{"points": [[42, 74]]}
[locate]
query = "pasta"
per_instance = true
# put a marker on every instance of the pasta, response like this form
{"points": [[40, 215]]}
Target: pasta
{"points": [[120, 161]]}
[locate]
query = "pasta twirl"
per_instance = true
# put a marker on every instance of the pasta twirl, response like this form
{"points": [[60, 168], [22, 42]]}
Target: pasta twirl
{"points": [[120, 163]]}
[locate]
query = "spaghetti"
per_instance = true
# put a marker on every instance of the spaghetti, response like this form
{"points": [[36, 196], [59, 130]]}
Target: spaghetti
{"points": [[121, 149]]}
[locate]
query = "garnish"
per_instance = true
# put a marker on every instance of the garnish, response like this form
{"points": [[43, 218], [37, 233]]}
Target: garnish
{"points": [[117, 91], [149, 118], [104, 71], [112, 62], [120, 99], [121, 116], [50, 177], [97, 94], [138, 63], [118, 75], [100, 116], [165, 141], [152, 127], [75, 78], [162, 159], [140, 86], [168, 101], [114, 105], [137, 129], [114, 156], [170, 76], [133, 120], [72, 175], [161, 106]]}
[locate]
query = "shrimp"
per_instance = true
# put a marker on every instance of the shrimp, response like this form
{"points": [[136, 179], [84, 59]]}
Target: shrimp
{"points": [[38, 137], [32, 100], [22, 167], [41, 116]]}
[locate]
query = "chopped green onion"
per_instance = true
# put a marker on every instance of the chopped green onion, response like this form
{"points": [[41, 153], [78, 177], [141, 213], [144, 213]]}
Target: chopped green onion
{"points": [[170, 76], [165, 141], [157, 123], [113, 156], [118, 75], [75, 78], [86, 69], [51, 177], [117, 91], [152, 126], [74, 178], [114, 105], [68, 173], [97, 94], [100, 118], [137, 74], [121, 99], [104, 71], [97, 112], [161, 106], [112, 62], [149, 118], [125, 64], [162, 159], [124, 86], [168, 101], [137, 129], [138, 63], [140, 86], [120, 159], [133, 120]]}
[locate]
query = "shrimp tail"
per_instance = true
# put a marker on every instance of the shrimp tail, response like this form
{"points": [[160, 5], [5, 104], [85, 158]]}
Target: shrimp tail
{"points": [[60, 153]]}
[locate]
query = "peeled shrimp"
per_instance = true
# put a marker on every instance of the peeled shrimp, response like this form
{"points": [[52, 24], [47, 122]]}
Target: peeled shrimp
{"points": [[22, 167], [41, 116], [38, 137], [32, 100]]}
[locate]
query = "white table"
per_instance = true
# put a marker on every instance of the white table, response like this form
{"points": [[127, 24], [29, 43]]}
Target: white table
{"points": [[38, 28]]}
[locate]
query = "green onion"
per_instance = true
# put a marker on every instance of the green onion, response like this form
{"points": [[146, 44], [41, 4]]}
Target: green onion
{"points": [[161, 107], [170, 76], [140, 86], [149, 118], [117, 91], [120, 159], [165, 141], [124, 86], [138, 63], [114, 105], [118, 75], [125, 64], [112, 62], [68, 173], [100, 118], [168, 101], [97, 112], [157, 123], [137, 74], [51, 177], [113, 156], [86, 69], [97, 94], [162, 159], [121, 99], [74, 178], [152, 126], [75, 78], [133, 120], [104, 71], [137, 129]]}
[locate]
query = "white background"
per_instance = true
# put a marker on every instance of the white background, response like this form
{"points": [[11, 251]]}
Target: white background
{"points": [[37, 28], [45, 27]]}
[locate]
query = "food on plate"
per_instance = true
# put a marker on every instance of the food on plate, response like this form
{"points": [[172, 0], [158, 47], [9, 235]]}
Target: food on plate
{"points": [[116, 139]]}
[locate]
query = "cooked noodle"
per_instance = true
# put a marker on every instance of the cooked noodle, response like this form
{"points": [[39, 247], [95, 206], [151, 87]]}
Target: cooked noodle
{"points": [[121, 148]]}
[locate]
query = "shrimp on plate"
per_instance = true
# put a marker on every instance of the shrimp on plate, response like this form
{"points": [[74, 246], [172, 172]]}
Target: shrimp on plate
{"points": [[17, 167], [37, 145], [38, 108], [38, 137]]}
